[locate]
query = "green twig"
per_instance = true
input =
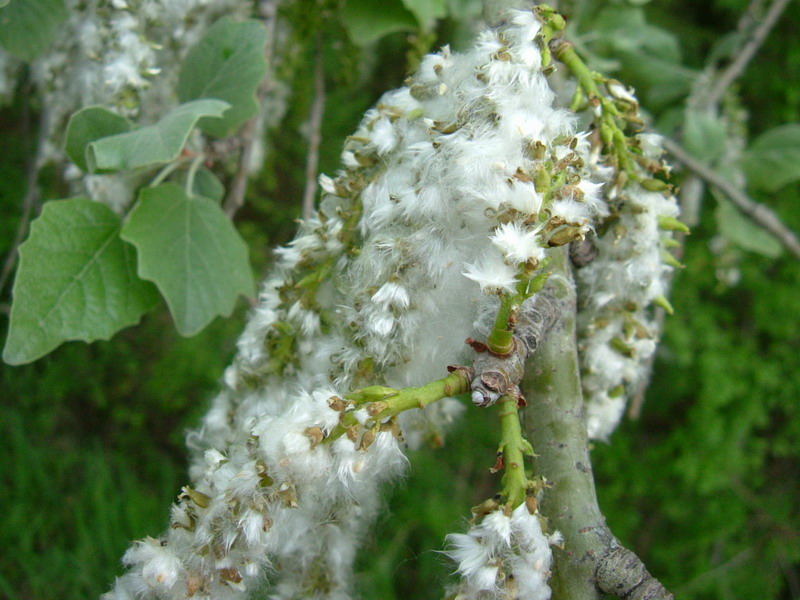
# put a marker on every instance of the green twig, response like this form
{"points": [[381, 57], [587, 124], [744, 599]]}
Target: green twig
{"points": [[501, 340], [565, 52], [383, 403], [168, 170], [196, 162], [514, 447]]}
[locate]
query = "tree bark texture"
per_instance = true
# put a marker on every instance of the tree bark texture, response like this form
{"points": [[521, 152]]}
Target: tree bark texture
{"points": [[555, 424], [592, 561]]}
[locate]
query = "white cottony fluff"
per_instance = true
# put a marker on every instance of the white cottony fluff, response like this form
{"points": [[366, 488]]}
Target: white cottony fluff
{"points": [[505, 556], [617, 329], [517, 243], [493, 274], [434, 213]]}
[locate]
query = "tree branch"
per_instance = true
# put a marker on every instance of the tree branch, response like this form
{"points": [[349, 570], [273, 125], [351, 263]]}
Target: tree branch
{"points": [[692, 191], [693, 186], [621, 573], [590, 561], [749, 17], [761, 214], [497, 375], [268, 10], [738, 66], [555, 424], [315, 133]]}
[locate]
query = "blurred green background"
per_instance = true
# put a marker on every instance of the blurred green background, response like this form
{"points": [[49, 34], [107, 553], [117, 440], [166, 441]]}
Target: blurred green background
{"points": [[704, 486]]}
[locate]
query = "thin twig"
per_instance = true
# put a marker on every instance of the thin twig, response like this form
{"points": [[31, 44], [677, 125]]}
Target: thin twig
{"points": [[29, 201], [737, 67], [759, 213], [693, 186], [268, 10], [749, 17], [315, 133], [235, 199]]}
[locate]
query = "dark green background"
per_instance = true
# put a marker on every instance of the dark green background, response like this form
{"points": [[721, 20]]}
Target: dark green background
{"points": [[705, 486]]}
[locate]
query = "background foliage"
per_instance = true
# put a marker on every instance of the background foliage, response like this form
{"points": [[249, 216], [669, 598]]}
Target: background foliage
{"points": [[703, 486]]}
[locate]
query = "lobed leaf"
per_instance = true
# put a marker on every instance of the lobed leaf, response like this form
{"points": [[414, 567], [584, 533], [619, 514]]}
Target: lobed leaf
{"points": [[155, 144], [192, 252], [228, 63], [76, 280]]}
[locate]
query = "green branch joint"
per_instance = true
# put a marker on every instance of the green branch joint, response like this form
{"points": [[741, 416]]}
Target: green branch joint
{"points": [[384, 403], [501, 340], [514, 448], [565, 52]]}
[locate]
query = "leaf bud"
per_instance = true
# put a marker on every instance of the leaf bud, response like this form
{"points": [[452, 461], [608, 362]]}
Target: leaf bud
{"points": [[199, 498], [672, 224], [372, 393], [655, 185], [664, 303]]}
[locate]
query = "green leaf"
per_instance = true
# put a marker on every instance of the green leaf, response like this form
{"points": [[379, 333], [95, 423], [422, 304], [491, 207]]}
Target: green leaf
{"points": [[369, 20], [88, 125], [773, 159], [745, 233], [648, 53], [663, 82], [76, 280], [192, 252], [28, 27], [153, 145], [4, 3], [626, 29], [228, 63], [427, 11], [705, 136]]}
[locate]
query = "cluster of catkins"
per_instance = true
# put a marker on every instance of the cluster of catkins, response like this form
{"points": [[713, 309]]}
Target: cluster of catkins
{"points": [[617, 327], [451, 188]]}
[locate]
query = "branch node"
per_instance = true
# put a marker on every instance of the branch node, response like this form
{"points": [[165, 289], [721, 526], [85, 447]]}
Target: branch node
{"points": [[621, 573]]}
